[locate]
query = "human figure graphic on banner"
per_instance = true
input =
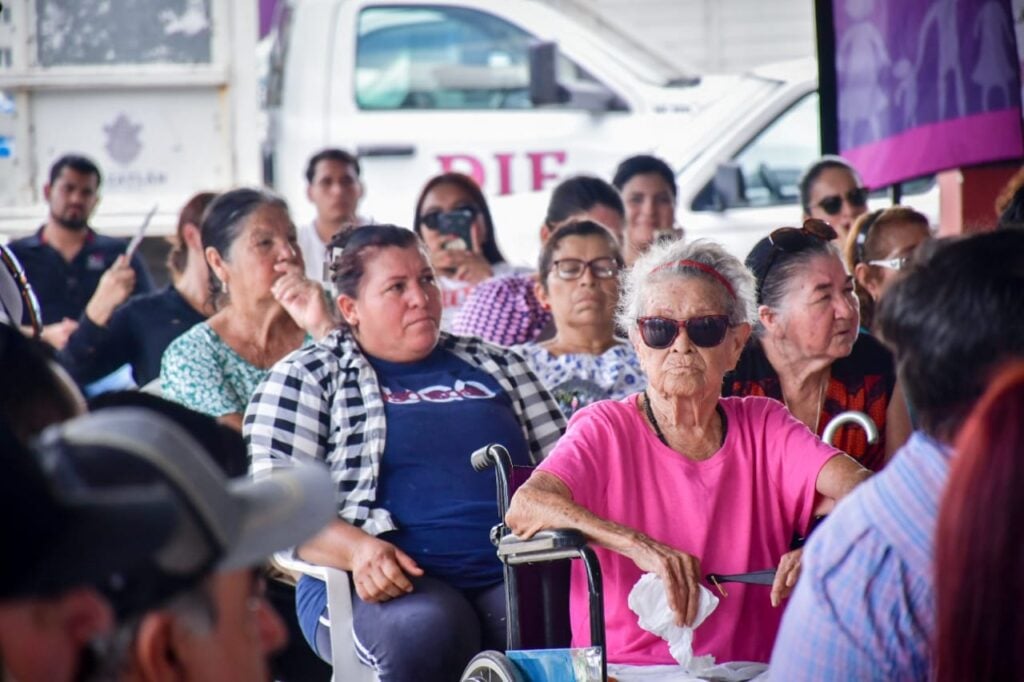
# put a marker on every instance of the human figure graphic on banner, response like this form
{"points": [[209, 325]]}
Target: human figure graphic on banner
{"points": [[861, 62], [943, 16], [906, 91], [995, 67]]}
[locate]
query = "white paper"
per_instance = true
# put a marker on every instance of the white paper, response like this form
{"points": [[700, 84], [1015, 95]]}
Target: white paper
{"points": [[137, 238]]}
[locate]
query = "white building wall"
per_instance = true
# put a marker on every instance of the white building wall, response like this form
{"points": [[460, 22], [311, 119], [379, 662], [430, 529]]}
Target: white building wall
{"points": [[717, 36]]}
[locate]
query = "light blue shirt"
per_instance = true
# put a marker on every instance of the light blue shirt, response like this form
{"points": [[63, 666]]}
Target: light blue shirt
{"points": [[864, 608]]}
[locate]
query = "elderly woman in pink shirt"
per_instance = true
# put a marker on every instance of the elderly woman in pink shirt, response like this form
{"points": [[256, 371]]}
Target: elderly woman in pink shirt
{"points": [[677, 480]]}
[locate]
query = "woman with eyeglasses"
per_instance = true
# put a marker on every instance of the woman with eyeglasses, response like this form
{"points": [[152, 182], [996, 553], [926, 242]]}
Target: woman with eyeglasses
{"points": [[807, 350], [578, 281], [676, 480], [506, 310], [879, 251], [831, 190], [453, 220]]}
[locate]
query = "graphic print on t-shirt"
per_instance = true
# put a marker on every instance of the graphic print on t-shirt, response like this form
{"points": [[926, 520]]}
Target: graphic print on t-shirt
{"points": [[438, 410], [439, 393]]}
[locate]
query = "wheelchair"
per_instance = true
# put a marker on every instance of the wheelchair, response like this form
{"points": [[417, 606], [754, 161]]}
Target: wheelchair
{"points": [[537, 595], [538, 628]]}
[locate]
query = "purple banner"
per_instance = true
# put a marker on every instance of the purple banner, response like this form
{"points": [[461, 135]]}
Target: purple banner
{"points": [[267, 8], [926, 85]]}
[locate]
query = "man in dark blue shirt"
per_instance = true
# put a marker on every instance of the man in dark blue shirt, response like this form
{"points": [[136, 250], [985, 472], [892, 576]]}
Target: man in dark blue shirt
{"points": [[67, 262]]}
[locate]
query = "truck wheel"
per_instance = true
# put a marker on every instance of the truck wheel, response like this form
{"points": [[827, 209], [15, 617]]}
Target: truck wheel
{"points": [[491, 666]]}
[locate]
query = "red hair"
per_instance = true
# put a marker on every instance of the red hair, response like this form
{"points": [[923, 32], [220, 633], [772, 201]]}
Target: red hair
{"points": [[979, 552]]}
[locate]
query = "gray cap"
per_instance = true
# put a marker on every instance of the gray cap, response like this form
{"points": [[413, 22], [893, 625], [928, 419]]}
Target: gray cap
{"points": [[223, 523]]}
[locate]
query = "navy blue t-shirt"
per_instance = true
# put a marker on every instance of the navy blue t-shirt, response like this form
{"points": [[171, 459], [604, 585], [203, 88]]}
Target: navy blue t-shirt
{"points": [[439, 410], [64, 288]]}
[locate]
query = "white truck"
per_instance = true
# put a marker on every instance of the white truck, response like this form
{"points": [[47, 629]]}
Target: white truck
{"points": [[518, 95]]}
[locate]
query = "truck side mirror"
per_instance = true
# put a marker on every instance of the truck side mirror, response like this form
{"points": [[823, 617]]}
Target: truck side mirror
{"points": [[730, 188], [544, 87]]}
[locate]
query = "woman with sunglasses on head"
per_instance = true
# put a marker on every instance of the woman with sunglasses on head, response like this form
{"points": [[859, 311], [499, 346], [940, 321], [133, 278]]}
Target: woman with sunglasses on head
{"points": [[453, 220], [395, 407], [831, 190], [807, 350], [678, 481], [578, 281]]}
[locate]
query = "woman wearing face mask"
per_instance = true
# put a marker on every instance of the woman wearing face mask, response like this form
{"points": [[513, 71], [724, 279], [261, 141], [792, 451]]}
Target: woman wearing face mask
{"points": [[453, 220]]}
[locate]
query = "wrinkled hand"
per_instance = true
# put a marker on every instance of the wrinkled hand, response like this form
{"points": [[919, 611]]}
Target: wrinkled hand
{"points": [[786, 576], [381, 571], [57, 334], [303, 299], [463, 265], [114, 288], [680, 573]]}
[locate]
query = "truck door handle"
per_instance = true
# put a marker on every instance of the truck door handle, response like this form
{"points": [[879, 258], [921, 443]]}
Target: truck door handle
{"points": [[386, 150]]}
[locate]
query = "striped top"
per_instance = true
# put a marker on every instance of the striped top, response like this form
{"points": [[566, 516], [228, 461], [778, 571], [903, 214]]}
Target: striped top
{"points": [[864, 607]]}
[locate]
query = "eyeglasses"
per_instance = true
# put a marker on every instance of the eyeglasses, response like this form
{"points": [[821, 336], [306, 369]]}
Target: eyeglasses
{"points": [[892, 263], [794, 240], [705, 331], [857, 198], [28, 296], [573, 268], [447, 220]]}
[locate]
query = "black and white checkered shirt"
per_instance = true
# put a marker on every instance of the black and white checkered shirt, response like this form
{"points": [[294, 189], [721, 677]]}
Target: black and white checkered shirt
{"points": [[324, 402]]}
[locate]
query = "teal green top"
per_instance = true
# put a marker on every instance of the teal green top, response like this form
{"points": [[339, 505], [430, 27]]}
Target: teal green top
{"points": [[202, 372]]}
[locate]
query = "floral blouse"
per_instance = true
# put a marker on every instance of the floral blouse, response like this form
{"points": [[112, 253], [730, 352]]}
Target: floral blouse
{"points": [[579, 379], [202, 372]]}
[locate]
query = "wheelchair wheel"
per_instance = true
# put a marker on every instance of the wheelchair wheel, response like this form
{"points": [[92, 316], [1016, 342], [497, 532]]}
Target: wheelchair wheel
{"points": [[491, 666]]}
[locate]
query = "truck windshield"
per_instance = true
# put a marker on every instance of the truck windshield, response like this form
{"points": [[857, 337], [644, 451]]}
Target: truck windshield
{"points": [[644, 61]]}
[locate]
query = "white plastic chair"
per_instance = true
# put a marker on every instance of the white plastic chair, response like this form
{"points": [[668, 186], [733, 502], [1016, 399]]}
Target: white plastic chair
{"points": [[345, 663]]}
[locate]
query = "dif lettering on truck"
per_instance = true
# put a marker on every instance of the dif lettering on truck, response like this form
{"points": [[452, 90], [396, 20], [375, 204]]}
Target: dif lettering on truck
{"points": [[543, 167]]}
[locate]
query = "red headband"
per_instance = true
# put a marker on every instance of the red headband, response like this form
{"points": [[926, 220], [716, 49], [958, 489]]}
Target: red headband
{"points": [[703, 267]]}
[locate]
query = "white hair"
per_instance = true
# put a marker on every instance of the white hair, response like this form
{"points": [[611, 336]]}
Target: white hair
{"points": [[661, 263]]}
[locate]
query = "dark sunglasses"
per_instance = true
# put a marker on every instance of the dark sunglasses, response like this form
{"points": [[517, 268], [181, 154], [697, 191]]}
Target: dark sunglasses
{"points": [[573, 268], [28, 296], [449, 219], [706, 331], [856, 197], [794, 240]]}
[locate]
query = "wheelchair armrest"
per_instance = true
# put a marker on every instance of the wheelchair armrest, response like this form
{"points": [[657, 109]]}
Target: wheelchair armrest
{"points": [[547, 545]]}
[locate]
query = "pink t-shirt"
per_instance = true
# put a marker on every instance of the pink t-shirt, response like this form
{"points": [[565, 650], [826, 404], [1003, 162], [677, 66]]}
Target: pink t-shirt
{"points": [[736, 511]]}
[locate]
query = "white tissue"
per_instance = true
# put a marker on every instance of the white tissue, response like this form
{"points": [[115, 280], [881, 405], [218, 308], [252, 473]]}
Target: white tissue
{"points": [[649, 602]]}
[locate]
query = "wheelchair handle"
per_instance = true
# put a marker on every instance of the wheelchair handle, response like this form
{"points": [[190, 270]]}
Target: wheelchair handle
{"points": [[850, 417], [489, 455], [496, 455]]}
